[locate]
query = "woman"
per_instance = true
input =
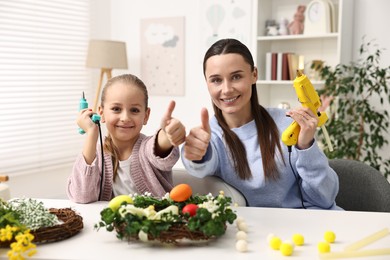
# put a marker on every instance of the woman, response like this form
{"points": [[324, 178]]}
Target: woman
{"points": [[241, 143]]}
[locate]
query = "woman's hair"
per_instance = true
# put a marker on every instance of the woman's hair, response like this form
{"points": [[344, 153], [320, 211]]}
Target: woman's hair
{"points": [[131, 81], [267, 131]]}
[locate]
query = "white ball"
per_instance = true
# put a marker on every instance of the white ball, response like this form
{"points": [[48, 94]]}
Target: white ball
{"points": [[270, 236], [239, 220], [242, 245], [241, 235], [243, 226]]}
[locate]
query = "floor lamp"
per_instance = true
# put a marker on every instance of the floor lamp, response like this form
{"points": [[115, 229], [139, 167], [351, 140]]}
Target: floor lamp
{"points": [[106, 55]]}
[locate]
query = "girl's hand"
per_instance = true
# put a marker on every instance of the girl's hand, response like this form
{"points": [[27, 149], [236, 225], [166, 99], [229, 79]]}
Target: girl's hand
{"points": [[198, 139], [174, 130], [308, 123], [84, 120]]}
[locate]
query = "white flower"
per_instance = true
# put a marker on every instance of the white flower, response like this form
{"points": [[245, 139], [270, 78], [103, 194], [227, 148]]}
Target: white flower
{"points": [[210, 205], [215, 215], [210, 196], [147, 194]]}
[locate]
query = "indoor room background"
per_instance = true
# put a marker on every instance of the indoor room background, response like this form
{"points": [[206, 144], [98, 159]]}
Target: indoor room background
{"points": [[121, 20]]}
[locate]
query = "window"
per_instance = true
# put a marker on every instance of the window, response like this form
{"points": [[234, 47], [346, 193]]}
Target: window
{"points": [[43, 48]]}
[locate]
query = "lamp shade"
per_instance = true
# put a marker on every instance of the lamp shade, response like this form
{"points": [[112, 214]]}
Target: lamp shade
{"points": [[107, 54]]}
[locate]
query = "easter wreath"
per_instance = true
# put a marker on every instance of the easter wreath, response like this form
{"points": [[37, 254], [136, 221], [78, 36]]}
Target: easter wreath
{"points": [[150, 219], [26, 222]]}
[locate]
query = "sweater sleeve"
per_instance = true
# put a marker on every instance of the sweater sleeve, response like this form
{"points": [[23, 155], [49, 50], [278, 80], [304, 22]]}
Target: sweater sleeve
{"points": [[206, 166], [84, 182], [163, 164], [320, 182]]}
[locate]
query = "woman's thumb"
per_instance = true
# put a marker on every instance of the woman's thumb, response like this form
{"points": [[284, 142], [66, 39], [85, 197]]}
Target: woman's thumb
{"points": [[204, 116]]}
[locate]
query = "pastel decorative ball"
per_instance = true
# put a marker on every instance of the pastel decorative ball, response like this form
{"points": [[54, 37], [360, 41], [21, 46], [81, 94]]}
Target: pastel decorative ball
{"points": [[329, 236], [286, 248], [298, 239], [323, 247]]}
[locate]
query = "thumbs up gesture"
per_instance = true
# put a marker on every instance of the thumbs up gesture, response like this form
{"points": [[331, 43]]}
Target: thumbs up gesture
{"points": [[174, 130], [198, 139]]}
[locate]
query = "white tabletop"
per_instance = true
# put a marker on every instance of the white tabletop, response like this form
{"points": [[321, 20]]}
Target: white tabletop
{"points": [[349, 227]]}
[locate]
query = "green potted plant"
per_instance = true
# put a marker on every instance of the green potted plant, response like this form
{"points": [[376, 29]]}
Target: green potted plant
{"points": [[356, 126]]}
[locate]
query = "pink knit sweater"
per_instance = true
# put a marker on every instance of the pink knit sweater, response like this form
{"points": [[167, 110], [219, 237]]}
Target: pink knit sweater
{"points": [[149, 173]]}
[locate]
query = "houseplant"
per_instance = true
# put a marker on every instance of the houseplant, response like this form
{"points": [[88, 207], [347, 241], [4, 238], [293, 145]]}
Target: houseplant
{"points": [[356, 126]]}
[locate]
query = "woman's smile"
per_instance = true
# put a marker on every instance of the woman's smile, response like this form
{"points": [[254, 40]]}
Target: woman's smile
{"points": [[229, 101]]}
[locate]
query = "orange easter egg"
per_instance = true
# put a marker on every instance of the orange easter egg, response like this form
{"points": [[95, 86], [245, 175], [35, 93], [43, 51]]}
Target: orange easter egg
{"points": [[181, 192]]}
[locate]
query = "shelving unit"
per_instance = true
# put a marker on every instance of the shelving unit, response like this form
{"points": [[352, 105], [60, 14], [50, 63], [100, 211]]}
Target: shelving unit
{"points": [[333, 48]]}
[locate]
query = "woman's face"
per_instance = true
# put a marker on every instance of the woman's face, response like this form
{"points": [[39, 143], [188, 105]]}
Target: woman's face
{"points": [[229, 80], [124, 112]]}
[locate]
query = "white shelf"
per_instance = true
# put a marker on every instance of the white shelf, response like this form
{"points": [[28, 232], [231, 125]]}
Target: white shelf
{"points": [[297, 37], [285, 82], [332, 48]]}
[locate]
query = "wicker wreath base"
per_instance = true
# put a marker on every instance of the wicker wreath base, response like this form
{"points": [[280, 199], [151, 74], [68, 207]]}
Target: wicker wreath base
{"points": [[71, 224], [174, 235]]}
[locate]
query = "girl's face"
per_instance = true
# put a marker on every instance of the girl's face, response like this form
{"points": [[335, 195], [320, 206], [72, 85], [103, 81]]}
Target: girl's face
{"points": [[124, 112], [229, 80]]}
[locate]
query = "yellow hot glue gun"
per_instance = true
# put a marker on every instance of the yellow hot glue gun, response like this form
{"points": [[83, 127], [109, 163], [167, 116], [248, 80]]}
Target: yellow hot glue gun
{"points": [[308, 97]]}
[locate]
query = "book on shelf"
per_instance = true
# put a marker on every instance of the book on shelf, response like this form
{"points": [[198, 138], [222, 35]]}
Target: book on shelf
{"points": [[285, 69], [268, 65], [279, 66], [274, 65], [293, 62], [282, 65]]}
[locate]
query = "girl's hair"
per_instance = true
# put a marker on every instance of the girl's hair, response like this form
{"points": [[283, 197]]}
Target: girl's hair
{"points": [[267, 131], [129, 80]]}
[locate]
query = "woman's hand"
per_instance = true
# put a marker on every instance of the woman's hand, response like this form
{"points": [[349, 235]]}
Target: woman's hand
{"points": [[308, 123], [198, 139]]}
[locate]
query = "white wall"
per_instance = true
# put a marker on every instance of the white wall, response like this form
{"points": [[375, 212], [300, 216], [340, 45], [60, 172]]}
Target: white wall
{"points": [[372, 21], [125, 25], [120, 20]]}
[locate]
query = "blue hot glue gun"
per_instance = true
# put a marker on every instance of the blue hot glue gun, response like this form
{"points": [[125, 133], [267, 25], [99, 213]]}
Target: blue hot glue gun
{"points": [[83, 105]]}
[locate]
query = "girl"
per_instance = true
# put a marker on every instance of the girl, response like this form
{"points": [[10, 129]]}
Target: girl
{"points": [[241, 144], [133, 162]]}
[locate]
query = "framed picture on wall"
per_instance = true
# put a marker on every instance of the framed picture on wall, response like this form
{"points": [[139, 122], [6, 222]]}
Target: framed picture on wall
{"points": [[162, 55], [225, 19]]}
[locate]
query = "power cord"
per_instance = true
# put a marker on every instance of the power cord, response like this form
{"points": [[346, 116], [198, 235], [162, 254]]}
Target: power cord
{"points": [[296, 176], [101, 147]]}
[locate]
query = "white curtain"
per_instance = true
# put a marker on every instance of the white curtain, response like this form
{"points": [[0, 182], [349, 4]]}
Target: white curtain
{"points": [[43, 46]]}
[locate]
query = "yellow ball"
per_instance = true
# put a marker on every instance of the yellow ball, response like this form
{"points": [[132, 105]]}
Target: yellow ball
{"points": [[275, 243], [330, 236], [323, 247], [286, 249], [298, 239]]}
